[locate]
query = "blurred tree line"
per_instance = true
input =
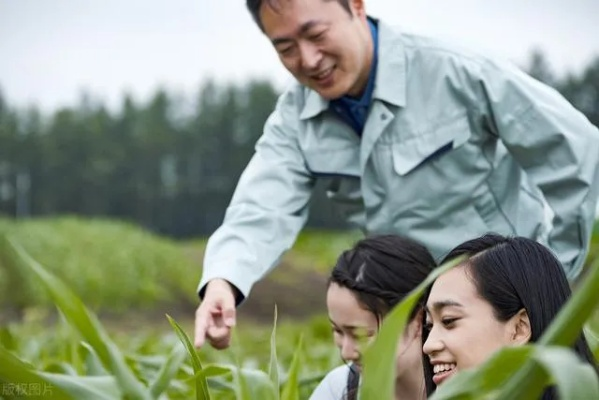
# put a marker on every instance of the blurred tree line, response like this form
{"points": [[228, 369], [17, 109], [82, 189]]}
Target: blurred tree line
{"points": [[169, 171]]}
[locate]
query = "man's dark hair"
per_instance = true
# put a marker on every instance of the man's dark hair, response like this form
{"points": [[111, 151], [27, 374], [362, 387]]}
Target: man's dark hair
{"points": [[254, 6]]}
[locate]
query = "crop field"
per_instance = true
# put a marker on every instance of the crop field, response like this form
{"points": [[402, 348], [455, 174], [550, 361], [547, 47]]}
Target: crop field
{"points": [[126, 298]]}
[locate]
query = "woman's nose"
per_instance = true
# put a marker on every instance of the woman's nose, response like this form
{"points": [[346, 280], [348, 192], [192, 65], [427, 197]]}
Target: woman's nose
{"points": [[432, 344], [349, 349]]}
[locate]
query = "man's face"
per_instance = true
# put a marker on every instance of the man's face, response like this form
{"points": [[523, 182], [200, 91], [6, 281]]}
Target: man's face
{"points": [[321, 44]]}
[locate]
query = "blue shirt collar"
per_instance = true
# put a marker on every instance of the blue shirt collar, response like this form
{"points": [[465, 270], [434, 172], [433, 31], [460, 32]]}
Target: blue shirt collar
{"points": [[390, 80], [352, 110], [367, 95]]}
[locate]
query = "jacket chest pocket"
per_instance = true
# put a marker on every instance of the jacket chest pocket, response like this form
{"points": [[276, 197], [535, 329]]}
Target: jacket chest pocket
{"points": [[339, 169], [331, 163], [430, 146]]}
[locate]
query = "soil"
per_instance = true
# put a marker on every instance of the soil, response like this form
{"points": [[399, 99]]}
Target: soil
{"points": [[298, 293]]}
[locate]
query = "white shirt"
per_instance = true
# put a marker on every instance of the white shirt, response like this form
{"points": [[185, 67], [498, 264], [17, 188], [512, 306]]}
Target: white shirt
{"points": [[333, 386]]}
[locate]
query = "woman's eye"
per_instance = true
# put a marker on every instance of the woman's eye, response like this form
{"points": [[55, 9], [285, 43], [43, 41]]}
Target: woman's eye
{"points": [[448, 321], [361, 332], [428, 326], [363, 336]]}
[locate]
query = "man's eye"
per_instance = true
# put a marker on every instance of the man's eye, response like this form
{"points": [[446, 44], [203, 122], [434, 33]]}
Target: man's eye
{"points": [[317, 36]]}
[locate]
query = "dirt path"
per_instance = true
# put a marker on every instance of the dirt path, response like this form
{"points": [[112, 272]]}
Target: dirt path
{"points": [[298, 293]]}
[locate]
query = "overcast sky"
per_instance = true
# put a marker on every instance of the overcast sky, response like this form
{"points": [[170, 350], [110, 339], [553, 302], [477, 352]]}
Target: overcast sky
{"points": [[52, 49]]}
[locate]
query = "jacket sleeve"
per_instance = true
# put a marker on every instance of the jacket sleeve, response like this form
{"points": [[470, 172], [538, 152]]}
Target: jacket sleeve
{"points": [[268, 209], [557, 147]]}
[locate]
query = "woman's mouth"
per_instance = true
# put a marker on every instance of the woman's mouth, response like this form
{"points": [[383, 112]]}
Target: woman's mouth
{"points": [[442, 372]]}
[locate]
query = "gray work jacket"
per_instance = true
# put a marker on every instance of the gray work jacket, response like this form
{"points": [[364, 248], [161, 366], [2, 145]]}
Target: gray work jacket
{"points": [[455, 145]]}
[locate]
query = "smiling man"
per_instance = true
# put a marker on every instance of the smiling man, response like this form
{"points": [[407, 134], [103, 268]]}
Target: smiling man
{"points": [[417, 137], [322, 46]]}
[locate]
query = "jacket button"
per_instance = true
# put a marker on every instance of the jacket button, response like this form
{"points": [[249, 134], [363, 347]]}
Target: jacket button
{"points": [[383, 116]]}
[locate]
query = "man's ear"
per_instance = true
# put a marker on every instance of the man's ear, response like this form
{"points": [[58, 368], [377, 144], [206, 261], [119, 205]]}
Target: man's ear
{"points": [[520, 328], [357, 8]]}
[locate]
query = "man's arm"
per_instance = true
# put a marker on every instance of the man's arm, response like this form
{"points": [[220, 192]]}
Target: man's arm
{"points": [[559, 150], [268, 209]]}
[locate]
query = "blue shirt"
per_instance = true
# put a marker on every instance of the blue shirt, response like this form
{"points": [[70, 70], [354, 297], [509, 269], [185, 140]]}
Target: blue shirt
{"points": [[355, 110]]}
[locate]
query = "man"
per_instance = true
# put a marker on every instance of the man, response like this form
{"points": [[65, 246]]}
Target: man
{"points": [[419, 138]]}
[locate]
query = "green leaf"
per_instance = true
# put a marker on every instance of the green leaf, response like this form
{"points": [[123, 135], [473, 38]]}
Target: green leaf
{"points": [[273, 367], [291, 388], [574, 379], [60, 367], [379, 357], [93, 364], [242, 389], [213, 370], [486, 379], [567, 325], [593, 339], [312, 379], [15, 372], [86, 387], [7, 339], [222, 383], [202, 392], [168, 371], [260, 387], [86, 323]]}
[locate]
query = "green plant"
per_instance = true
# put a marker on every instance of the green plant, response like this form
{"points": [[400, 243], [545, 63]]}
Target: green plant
{"points": [[81, 360], [104, 372]]}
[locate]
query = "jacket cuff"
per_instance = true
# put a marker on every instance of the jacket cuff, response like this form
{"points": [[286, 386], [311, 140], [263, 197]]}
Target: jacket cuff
{"points": [[237, 292]]}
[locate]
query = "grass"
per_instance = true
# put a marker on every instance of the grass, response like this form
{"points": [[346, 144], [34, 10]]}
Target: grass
{"points": [[112, 265]]}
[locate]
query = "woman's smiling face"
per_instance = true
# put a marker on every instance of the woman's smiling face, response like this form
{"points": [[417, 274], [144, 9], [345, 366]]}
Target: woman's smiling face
{"points": [[463, 330]]}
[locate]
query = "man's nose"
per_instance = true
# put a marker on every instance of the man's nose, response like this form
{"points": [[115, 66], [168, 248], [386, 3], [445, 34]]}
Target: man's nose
{"points": [[310, 56]]}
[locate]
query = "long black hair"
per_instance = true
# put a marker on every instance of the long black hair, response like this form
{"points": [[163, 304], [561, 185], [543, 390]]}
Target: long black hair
{"points": [[380, 271], [515, 273]]}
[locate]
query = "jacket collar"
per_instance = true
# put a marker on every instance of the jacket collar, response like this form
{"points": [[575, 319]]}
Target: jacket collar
{"points": [[390, 81]]}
